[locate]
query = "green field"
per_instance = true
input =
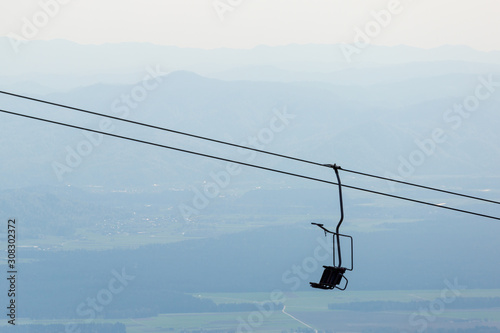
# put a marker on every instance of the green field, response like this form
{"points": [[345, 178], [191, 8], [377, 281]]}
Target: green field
{"points": [[311, 309], [308, 309]]}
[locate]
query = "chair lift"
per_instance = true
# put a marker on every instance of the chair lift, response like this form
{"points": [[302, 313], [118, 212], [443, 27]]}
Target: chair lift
{"points": [[333, 275]]}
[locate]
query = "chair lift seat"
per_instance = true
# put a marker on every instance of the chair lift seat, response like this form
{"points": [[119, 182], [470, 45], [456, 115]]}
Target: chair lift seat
{"points": [[333, 275], [331, 278]]}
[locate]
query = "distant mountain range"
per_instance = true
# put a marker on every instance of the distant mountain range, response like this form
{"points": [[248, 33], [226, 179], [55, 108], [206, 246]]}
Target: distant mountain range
{"points": [[379, 128], [382, 115], [62, 65]]}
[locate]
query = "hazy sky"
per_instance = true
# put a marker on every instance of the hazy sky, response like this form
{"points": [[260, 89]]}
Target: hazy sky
{"points": [[247, 23]]}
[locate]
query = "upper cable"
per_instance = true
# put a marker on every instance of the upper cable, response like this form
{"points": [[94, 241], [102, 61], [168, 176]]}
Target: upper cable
{"points": [[244, 147]]}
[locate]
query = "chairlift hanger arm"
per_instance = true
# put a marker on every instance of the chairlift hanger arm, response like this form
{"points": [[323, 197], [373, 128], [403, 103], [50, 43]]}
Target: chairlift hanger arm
{"points": [[322, 227]]}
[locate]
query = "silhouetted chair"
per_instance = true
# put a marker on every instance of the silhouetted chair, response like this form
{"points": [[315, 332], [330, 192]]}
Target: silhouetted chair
{"points": [[333, 275], [331, 278]]}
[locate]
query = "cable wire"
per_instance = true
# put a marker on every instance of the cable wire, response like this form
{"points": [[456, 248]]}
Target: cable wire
{"points": [[243, 147], [421, 186], [161, 128], [246, 164]]}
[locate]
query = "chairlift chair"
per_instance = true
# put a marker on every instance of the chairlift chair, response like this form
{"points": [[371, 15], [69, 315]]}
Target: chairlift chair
{"points": [[333, 275]]}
